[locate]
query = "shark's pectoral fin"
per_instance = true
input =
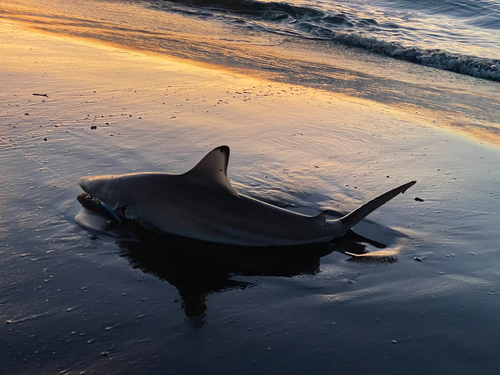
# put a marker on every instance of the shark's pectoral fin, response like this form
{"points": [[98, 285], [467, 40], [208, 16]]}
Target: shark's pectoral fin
{"points": [[212, 170]]}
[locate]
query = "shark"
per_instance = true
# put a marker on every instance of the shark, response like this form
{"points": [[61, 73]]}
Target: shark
{"points": [[201, 204]]}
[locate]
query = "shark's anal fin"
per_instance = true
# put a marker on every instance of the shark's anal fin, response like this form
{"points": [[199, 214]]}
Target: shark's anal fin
{"points": [[356, 216], [212, 170]]}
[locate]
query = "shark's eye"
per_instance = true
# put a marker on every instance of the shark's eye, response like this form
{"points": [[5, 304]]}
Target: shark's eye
{"points": [[122, 210]]}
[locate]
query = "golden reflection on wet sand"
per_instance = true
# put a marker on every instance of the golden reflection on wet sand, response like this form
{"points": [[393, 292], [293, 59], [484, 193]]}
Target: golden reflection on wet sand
{"points": [[72, 31]]}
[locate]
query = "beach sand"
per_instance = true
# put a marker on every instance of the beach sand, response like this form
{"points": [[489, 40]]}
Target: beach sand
{"points": [[73, 301]]}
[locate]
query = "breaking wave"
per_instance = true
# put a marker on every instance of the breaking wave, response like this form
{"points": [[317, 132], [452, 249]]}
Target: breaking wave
{"points": [[354, 29]]}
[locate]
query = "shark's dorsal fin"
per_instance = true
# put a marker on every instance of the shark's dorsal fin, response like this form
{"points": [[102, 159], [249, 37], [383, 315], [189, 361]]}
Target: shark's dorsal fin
{"points": [[212, 169]]}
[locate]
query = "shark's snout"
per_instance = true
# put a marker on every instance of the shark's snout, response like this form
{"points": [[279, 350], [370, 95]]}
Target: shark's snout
{"points": [[95, 185], [83, 184]]}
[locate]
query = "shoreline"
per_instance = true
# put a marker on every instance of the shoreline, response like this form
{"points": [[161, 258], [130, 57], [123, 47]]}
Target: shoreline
{"points": [[77, 46], [445, 100]]}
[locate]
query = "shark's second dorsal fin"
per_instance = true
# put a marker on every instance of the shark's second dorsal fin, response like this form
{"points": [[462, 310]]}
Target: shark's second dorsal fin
{"points": [[212, 169], [321, 218]]}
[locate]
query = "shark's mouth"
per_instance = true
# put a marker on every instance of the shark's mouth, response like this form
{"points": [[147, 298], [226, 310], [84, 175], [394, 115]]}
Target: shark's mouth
{"points": [[97, 206], [89, 202]]}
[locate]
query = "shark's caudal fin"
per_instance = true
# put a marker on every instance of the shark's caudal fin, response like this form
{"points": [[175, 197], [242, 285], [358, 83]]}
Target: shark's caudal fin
{"points": [[356, 216]]}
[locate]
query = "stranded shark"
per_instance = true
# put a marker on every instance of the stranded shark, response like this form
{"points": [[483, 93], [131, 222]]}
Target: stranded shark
{"points": [[202, 204]]}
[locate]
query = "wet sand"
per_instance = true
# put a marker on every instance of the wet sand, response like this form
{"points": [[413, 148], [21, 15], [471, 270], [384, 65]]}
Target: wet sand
{"points": [[75, 301]]}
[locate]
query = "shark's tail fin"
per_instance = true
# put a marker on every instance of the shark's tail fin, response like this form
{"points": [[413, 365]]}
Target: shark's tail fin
{"points": [[356, 216]]}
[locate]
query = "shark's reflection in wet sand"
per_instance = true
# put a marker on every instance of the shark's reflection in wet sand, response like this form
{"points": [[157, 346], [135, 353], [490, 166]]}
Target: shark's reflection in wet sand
{"points": [[198, 268]]}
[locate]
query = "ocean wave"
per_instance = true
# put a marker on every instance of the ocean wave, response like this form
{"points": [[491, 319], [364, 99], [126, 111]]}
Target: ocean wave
{"points": [[469, 65], [265, 10], [344, 28], [467, 9]]}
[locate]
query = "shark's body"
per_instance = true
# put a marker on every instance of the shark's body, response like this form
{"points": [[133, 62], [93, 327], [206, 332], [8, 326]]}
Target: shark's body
{"points": [[202, 204]]}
